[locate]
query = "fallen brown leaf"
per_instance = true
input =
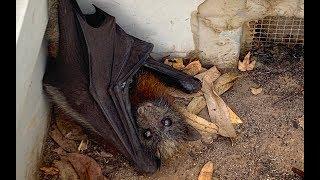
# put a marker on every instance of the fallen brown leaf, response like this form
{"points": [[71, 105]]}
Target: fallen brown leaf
{"points": [[86, 167], [213, 73], [67, 172], [217, 109], [235, 119], [193, 68], [83, 145], [168, 62], [256, 91], [69, 128], [224, 82], [67, 144], [50, 170], [176, 93], [197, 104], [178, 63], [201, 101], [197, 122], [246, 65], [206, 171]]}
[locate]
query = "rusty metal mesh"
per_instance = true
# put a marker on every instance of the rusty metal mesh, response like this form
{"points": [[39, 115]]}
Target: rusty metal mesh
{"points": [[277, 29]]}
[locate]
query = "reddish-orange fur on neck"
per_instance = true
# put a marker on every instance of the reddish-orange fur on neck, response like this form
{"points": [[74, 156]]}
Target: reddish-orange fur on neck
{"points": [[148, 88]]}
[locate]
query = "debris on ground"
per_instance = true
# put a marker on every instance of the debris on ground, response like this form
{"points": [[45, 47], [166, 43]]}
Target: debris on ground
{"points": [[256, 91], [65, 143], [224, 82], [301, 122], [50, 170], [83, 145], [206, 171], [66, 170], [193, 68], [197, 104], [246, 64], [298, 171], [214, 84], [85, 166], [176, 63], [69, 128]]}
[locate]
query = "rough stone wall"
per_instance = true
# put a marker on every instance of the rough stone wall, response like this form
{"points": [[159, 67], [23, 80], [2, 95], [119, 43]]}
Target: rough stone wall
{"points": [[217, 25]]}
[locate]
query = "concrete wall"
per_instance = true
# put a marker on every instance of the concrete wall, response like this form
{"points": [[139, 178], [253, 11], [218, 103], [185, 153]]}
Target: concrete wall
{"points": [[31, 107]]}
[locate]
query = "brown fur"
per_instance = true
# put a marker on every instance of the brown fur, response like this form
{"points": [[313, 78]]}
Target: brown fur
{"points": [[152, 105], [149, 87]]}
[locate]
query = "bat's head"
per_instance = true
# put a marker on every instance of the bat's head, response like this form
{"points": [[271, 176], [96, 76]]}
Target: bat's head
{"points": [[162, 129]]}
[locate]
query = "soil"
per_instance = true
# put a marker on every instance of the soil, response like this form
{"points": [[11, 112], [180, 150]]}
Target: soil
{"points": [[269, 143]]}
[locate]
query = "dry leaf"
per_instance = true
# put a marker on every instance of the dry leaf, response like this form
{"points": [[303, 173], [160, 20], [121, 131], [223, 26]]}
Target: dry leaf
{"points": [[69, 128], [213, 73], [203, 70], [235, 119], [197, 104], [218, 110], [83, 145], [168, 62], [176, 93], [67, 144], [86, 167], [197, 122], [193, 68], [206, 171], [67, 172], [246, 65], [224, 82], [256, 91], [50, 170], [178, 63]]}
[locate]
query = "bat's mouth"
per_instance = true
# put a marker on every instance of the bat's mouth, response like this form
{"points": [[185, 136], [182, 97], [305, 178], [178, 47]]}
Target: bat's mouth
{"points": [[166, 149]]}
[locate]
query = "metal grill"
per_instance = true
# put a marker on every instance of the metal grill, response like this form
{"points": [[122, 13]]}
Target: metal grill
{"points": [[277, 29]]}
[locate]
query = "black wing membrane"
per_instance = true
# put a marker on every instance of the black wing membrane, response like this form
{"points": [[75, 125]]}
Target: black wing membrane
{"points": [[96, 58], [90, 79]]}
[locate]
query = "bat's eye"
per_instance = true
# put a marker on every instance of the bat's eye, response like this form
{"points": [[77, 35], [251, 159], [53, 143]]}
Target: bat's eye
{"points": [[166, 121], [147, 134]]}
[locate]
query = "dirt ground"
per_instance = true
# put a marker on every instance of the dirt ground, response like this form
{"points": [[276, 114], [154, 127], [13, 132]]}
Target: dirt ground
{"points": [[270, 141]]}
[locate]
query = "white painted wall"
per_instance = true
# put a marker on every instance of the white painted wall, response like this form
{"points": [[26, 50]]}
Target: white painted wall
{"points": [[31, 106], [165, 23]]}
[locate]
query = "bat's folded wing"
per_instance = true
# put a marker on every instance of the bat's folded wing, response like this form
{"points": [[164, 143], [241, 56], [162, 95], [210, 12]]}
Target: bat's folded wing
{"points": [[90, 78]]}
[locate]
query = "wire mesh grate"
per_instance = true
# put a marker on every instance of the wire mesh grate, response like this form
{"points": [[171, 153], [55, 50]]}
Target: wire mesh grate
{"points": [[277, 29]]}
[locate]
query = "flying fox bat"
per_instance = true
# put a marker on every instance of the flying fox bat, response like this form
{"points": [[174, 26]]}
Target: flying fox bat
{"points": [[90, 78]]}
